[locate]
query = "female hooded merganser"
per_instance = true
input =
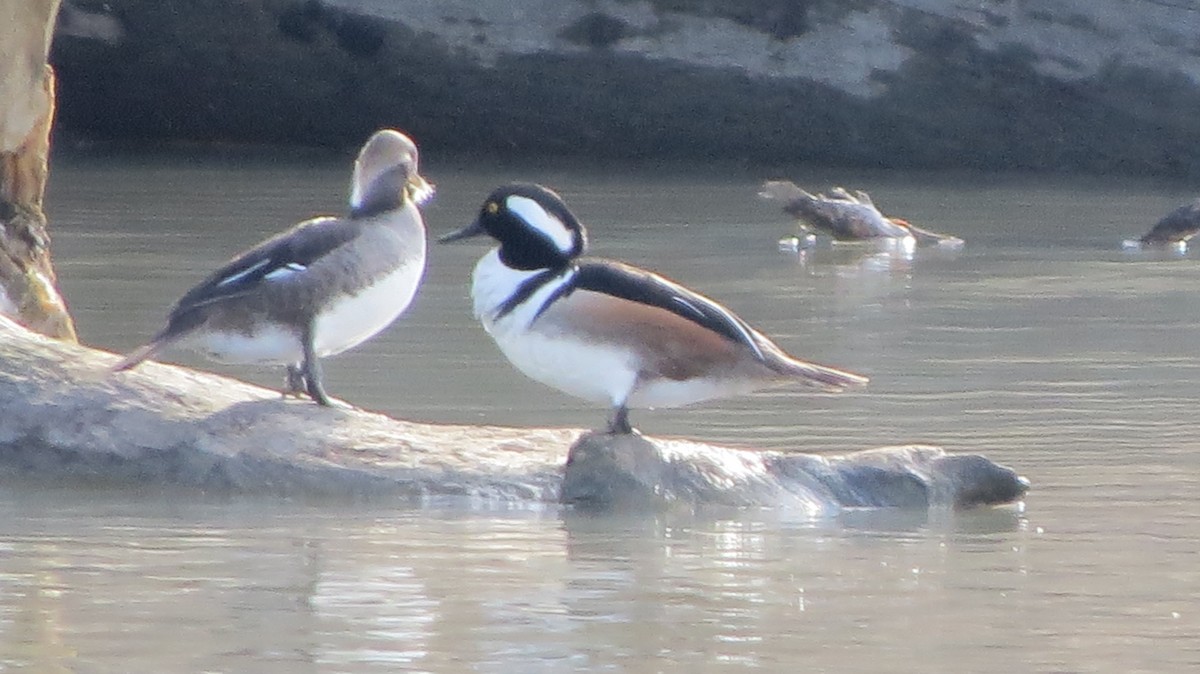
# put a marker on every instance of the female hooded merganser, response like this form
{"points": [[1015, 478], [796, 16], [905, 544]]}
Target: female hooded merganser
{"points": [[322, 287], [609, 332], [848, 217], [1173, 231]]}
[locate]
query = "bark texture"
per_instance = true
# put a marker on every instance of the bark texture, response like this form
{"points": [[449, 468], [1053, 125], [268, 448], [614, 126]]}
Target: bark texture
{"points": [[28, 288]]}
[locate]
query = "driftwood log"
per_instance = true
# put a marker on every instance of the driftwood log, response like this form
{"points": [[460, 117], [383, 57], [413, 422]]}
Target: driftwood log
{"points": [[28, 288], [63, 416]]}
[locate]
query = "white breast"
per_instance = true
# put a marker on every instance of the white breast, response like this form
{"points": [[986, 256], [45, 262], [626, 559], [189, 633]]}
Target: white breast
{"points": [[353, 319], [593, 372], [492, 283]]}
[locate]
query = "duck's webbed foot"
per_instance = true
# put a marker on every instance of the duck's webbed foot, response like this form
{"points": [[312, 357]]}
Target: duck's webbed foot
{"points": [[310, 369], [313, 384], [295, 386]]}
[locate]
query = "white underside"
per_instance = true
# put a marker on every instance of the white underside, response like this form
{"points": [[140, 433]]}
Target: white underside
{"points": [[669, 393], [602, 374], [269, 344], [353, 320], [588, 371], [344, 324]]}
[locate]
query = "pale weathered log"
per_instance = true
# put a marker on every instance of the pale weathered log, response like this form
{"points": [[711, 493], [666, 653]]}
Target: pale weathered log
{"points": [[28, 289], [64, 416]]}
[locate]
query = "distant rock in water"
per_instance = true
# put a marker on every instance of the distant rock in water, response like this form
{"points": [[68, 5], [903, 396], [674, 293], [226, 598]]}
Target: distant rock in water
{"points": [[848, 217], [1173, 231]]}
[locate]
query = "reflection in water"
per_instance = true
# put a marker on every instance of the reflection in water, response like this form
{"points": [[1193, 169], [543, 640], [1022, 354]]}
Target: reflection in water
{"points": [[1155, 251], [1039, 344], [862, 270], [862, 257], [200, 585]]}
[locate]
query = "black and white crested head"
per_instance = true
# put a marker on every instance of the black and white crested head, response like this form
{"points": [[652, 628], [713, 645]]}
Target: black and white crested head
{"points": [[535, 228], [386, 175]]}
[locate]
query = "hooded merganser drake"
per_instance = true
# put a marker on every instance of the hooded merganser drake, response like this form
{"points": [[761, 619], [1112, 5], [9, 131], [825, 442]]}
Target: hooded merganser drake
{"points": [[322, 287], [606, 331], [848, 217], [1173, 231]]}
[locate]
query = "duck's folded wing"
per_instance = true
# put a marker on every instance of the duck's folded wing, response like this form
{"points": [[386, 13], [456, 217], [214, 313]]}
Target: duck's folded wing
{"points": [[274, 259], [644, 287]]}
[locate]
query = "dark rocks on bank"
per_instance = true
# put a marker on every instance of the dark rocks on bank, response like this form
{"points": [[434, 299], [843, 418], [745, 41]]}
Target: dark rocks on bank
{"points": [[873, 83], [65, 417]]}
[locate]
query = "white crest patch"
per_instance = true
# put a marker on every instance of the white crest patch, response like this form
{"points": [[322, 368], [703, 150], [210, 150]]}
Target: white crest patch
{"points": [[532, 213]]}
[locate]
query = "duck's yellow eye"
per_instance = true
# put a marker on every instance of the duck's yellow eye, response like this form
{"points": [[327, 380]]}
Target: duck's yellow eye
{"points": [[493, 207]]}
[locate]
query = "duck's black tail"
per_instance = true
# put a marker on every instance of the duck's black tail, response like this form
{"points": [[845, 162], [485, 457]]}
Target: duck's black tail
{"points": [[147, 351]]}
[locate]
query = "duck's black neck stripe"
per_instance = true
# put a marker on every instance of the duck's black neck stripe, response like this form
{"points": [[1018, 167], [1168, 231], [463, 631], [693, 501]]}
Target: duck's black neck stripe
{"points": [[530, 286]]}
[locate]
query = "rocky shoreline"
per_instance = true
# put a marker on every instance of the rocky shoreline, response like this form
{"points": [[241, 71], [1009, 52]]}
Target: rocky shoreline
{"points": [[1104, 86]]}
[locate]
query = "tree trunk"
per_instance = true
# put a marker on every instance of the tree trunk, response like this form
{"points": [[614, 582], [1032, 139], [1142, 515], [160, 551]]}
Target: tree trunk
{"points": [[28, 290]]}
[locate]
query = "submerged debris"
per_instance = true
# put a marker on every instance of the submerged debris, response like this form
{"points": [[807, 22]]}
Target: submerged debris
{"points": [[848, 217]]}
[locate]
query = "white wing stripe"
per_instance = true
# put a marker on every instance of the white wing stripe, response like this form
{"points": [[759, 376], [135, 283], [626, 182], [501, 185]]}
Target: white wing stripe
{"points": [[687, 305], [228, 280], [747, 334], [732, 320]]}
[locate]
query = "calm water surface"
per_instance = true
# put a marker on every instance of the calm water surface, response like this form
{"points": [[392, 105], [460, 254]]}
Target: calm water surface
{"points": [[1039, 344]]}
